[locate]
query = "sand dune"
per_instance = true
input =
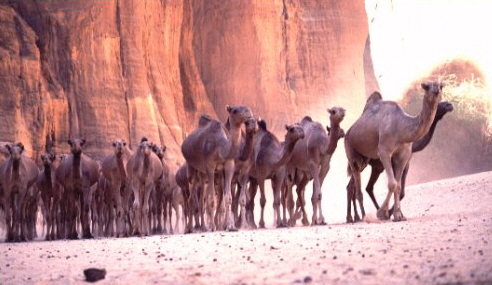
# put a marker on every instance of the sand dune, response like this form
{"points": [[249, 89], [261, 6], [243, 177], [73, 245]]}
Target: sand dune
{"points": [[447, 239]]}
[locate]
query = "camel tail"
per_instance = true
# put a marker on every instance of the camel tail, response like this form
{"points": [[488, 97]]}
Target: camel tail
{"points": [[371, 219]]}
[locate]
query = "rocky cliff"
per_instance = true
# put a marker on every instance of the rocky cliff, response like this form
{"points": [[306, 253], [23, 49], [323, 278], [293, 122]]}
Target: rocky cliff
{"points": [[105, 70]]}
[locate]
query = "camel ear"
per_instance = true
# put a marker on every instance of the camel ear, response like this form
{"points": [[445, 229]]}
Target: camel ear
{"points": [[164, 148], [328, 129], [114, 144], [52, 157], [441, 86], [124, 142], [331, 111], [425, 86], [228, 108], [20, 145]]}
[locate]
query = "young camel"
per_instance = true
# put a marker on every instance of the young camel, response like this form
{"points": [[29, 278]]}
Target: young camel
{"points": [[17, 174], [210, 149], [77, 173], [311, 160], [269, 159], [51, 194], [377, 167], [386, 132], [114, 171]]}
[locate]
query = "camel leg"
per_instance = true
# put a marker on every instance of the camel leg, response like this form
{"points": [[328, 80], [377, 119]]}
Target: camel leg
{"points": [[235, 193], [262, 203], [243, 201], [229, 218], [302, 205], [210, 201], [350, 199], [403, 181], [250, 206], [276, 186], [400, 163], [8, 217], [375, 172], [170, 212], [85, 202], [316, 197], [148, 188], [385, 157], [219, 193], [137, 220]]}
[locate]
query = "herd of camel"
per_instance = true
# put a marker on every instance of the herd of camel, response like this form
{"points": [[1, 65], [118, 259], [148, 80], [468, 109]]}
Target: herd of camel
{"points": [[134, 192]]}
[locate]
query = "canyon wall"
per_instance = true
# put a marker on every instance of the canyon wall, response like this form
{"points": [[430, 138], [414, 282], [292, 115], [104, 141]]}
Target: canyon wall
{"points": [[106, 70]]}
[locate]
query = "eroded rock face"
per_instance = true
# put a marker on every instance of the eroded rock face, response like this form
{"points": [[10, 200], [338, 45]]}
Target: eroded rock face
{"points": [[106, 70]]}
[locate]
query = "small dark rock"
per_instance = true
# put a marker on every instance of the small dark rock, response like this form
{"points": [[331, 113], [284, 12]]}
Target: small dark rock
{"points": [[94, 274], [308, 279]]}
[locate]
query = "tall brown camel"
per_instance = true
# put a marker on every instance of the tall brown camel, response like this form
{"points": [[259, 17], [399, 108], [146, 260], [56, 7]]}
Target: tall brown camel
{"points": [[144, 169], [18, 174], [311, 160], [377, 167], [77, 174], [269, 159], [212, 148], [114, 170], [51, 194], [243, 164], [384, 131]]}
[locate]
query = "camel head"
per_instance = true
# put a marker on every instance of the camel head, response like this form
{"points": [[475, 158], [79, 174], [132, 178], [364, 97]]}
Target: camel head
{"points": [[238, 114], [119, 147], [251, 126], [159, 150], [443, 108], [294, 133], [341, 132], [433, 90], [145, 146], [76, 146], [48, 159], [336, 114], [15, 150]]}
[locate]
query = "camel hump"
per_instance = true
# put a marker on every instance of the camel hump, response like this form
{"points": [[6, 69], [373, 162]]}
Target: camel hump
{"points": [[262, 124], [375, 97], [204, 120]]}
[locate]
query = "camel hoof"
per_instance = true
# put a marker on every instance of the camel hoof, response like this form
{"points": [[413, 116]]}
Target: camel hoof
{"points": [[88, 236], [262, 225], [357, 219], [231, 229], [398, 217], [382, 215], [305, 222]]}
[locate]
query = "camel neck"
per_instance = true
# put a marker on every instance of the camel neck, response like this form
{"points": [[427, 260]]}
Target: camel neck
{"points": [[425, 140], [121, 165], [146, 165], [15, 169], [235, 141], [423, 121], [333, 139], [76, 164], [47, 173], [287, 152], [247, 148]]}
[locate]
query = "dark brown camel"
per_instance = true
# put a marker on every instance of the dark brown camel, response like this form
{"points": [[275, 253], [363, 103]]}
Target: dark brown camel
{"points": [[269, 159], [190, 197], [77, 174], [210, 149], [51, 194], [144, 169], [18, 174], [311, 160], [377, 167], [384, 131]]}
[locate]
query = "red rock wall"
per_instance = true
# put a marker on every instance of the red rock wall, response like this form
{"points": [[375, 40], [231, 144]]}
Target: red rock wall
{"points": [[106, 70]]}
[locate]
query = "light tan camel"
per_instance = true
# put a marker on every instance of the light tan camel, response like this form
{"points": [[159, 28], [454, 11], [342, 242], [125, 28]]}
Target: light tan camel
{"points": [[212, 148], [311, 160], [114, 170], [77, 174], [18, 174], [51, 194], [269, 159], [144, 169], [386, 132], [377, 167], [243, 164]]}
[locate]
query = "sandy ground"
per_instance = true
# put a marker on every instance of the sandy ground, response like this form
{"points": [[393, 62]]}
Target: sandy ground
{"points": [[447, 239]]}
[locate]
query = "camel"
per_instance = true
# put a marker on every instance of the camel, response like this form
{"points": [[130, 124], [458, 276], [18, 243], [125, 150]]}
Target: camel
{"points": [[77, 174], [144, 169], [51, 194], [114, 170], [210, 149], [190, 198], [311, 160], [18, 174], [384, 131], [377, 167], [243, 164], [164, 193], [269, 159]]}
